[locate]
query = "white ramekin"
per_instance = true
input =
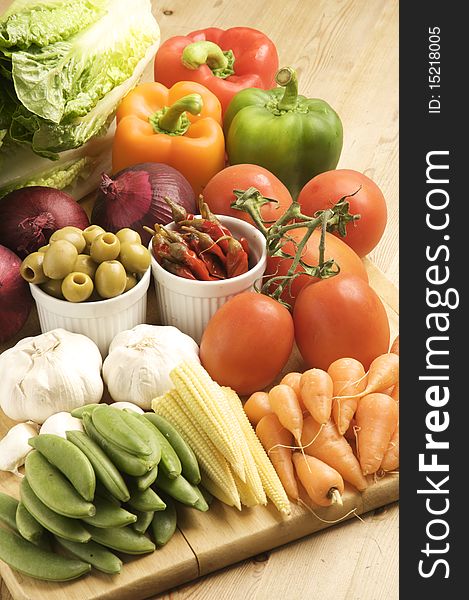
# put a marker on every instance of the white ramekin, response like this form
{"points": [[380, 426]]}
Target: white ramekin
{"points": [[101, 320], [188, 304]]}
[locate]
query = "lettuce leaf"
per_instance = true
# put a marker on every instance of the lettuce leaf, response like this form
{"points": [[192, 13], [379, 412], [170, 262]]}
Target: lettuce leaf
{"points": [[66, 79], [45, 22]]}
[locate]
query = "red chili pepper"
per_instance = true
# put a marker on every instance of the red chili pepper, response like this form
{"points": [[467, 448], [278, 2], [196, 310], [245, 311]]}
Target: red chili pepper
{"points": [[245, 244], [176, 269], [214, 230], [236, 259], [187, 256], [179, 212], [159, 246], [205, 243]]}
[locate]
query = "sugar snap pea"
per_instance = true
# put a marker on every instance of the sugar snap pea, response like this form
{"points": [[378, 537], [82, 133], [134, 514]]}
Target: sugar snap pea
{"points": [[164, 523], [148, 500], [70, 461], [179, 489], [143, 522], [100, 558], [105, 470], [124, 539], [111, 424], [145, 481], [124, 461], [70, 529], [35, 562], [201, 503], [8, 506], [27, 525], [81, 410], [170, 463], [144, 430], [53, 489], [190, 466], [109, 515]]}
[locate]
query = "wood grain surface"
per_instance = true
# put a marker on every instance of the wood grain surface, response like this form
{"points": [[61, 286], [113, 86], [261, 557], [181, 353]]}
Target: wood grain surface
{"points": [[346, 52]]}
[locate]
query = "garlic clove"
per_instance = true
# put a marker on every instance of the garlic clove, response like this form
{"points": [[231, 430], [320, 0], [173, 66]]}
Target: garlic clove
{"points": [[60, 423], [14, 446], [129, 405]]}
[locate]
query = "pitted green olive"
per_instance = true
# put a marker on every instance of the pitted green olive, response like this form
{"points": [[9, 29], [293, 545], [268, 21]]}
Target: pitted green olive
{"points": [[91, 232], [135, 257], [128, 235], [105, 247], [77, 287], [130, 282], [72, 235], [85, 264], [110, 279], [59, 259], [53, 287], [43, 248], [32, 268]]}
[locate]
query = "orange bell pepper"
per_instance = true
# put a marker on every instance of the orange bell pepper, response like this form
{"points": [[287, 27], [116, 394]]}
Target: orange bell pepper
{"points": [[180, 127]]}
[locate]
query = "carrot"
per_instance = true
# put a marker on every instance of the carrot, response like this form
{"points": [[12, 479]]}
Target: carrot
{"points": [[348, 377], [395, 392], [377, 416], [395, 346], [257, 406], [391, 458], [333, 449], [293, 380], [274, 437], [285, 405], [382, 374], [323, 484], [316, 392]]}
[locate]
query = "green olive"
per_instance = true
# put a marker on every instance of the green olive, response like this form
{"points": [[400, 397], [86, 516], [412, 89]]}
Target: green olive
{"points": [[135, 257], [91, 232], [32, 268], [131, 282], [59, 259], [53, 287], [43, 248], [128, 235], [104, 247], [72, 235], [85, 264], [77, 287], [110, 279]]}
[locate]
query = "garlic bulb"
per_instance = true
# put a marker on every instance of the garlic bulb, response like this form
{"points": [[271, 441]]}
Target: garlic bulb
{"points": [[52, 372], [139, 362], [14, 446], [60, 423]]}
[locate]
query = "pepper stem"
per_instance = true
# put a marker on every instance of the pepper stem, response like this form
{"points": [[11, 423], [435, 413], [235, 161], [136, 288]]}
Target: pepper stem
{"points": [[286, 77], [173, 119], [207, 53]]}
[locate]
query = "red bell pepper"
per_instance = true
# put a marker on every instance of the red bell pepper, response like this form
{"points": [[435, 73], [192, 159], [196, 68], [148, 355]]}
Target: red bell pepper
{"points": [[224, 61]]}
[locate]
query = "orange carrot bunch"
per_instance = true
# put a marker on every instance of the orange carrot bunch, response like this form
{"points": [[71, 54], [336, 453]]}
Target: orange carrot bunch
{"points": [[321, 428]]}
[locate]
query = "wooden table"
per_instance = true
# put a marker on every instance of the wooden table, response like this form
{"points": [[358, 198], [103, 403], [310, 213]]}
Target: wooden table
{"points": [[346, 52]]}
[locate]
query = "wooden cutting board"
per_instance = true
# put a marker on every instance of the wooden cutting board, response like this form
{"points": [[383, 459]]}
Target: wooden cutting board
{"points": [[204, 542]]}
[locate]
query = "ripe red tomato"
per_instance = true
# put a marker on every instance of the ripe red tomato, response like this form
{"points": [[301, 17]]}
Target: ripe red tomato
{"points": [[337, 318], [326, 189], [218, 193], [247, 342], [348, 261]]}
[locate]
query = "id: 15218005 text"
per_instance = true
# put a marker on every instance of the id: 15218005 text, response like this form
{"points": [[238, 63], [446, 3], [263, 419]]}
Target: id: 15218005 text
{"points": [[434, 70]]}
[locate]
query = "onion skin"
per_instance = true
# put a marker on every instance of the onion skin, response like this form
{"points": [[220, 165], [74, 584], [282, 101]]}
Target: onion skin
{"points": [[30, 215], [15, 298], [134, 197]]}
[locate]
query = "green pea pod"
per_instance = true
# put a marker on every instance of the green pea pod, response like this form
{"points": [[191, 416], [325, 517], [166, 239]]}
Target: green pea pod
{"points": [[179, 489], [164, 523], [145, 481], [206, 494], [201, 503], [190, 466], [109, 515], [8, 507], [53, 489], [81, 410], [105, 470], [124, 461], [100, 558], [35, 562], [27, 525], [70, 461], [170, 463], [70, 529], [143, 522], [124, 539], [146, 501], [145, 431], [111, 424]]}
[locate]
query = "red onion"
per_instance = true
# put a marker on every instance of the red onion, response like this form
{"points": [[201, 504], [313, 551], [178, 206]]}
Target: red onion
{"points": [[134, 197], [29, 216], [15, 297]]}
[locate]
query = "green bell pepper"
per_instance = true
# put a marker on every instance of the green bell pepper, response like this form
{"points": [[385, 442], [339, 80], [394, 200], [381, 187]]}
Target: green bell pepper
{"points": [[292, 136]]}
